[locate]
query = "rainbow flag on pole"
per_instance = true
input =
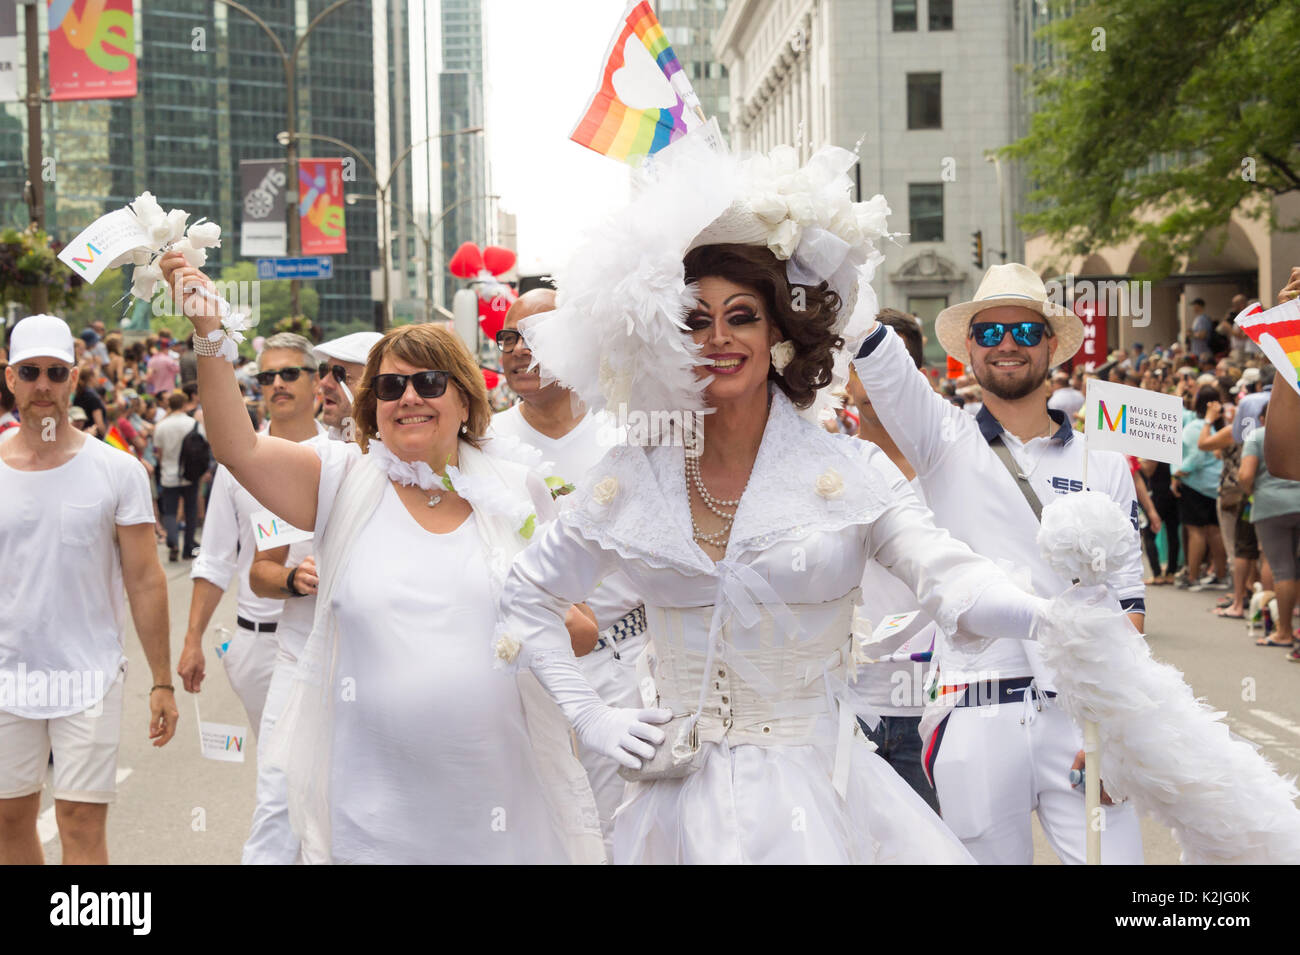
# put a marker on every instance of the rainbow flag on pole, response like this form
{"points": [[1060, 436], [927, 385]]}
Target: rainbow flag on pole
{"points": [[1277, 333], [645, 100], [114, 439]]}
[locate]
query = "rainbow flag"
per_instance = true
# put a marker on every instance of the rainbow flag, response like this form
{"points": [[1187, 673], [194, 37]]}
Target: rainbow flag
{"points": [[1277, 333], [114, 439], [645, 100]]}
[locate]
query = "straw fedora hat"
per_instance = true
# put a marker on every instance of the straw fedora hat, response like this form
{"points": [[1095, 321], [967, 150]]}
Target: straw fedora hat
{"points": [[1009, 284]]}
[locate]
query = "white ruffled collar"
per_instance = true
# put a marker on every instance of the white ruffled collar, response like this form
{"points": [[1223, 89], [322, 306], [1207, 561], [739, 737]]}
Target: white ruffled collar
{"points": [[408, 473], [804, 480]]}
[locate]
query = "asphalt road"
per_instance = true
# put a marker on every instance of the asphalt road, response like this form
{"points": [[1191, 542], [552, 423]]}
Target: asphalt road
{"points": [[174, 806]]}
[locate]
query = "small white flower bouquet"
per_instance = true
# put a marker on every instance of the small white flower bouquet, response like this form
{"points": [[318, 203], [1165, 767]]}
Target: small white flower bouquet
{"points": [[168, 233]]}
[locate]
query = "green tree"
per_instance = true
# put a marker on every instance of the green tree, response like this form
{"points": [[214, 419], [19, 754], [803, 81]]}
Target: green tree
{"points": [[103, 300], [1183, 108]]}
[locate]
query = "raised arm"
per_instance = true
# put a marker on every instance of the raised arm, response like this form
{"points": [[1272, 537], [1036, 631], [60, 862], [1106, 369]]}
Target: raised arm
{"points": [[917, 417], [283, 475]]}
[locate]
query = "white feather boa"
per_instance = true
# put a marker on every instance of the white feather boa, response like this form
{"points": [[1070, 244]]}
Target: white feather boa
{"points": [[1160, 746]]}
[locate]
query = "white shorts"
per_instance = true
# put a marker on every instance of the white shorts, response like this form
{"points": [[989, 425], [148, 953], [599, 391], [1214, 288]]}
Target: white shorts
{"points": [[84, 747]]}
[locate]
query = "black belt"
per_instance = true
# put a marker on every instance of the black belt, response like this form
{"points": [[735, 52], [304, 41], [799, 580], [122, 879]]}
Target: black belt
{"points": [[1000, 691], [247, 624]]}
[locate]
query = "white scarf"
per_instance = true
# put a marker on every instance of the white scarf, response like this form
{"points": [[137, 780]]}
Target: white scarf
{"points": [[302, 744]]}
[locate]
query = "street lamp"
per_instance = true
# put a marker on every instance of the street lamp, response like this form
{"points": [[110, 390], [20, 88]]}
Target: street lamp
{"points": [[382, 190], [290, 62]]}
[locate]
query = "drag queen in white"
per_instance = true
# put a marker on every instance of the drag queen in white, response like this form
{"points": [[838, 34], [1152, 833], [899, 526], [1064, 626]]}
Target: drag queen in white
{"points": [[749, 552], [400, 741]]}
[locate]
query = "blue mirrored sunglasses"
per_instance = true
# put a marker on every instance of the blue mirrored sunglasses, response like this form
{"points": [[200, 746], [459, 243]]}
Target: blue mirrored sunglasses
{"points": [[990, 334]]}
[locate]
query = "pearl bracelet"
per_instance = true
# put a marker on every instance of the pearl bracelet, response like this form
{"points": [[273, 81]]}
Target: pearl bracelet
{"points": [[224, 341]]}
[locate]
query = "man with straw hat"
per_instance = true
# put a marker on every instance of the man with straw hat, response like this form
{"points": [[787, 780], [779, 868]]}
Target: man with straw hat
{"points": [[997, 746]]}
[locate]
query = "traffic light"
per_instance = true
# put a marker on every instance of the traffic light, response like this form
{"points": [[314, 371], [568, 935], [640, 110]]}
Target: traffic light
{"points": [[977, 248]]}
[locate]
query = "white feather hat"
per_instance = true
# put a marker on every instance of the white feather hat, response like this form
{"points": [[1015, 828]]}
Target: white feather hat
{"points": [[616, 336]]}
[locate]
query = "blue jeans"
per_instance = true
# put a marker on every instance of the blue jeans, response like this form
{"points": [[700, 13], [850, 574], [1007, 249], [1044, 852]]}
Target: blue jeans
{"points": [[167, 503], [898, 742]]}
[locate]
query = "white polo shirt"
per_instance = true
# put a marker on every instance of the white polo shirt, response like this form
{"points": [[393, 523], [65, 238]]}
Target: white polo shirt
{"points": [[229, 545], [976, 499]]}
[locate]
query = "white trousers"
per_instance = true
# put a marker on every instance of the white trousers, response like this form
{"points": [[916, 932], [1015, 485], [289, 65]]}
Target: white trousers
{"points": [[271, 840], [991, 770], [249, 661], [614, 680]]}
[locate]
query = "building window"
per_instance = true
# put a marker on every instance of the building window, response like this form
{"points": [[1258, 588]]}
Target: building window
{"points": [[924, 101], [904, 16], [940, 14], [925, 211]]}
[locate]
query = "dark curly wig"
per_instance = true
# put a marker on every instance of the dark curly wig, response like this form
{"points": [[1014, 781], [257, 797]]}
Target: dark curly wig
{"points": [[808, 329]]}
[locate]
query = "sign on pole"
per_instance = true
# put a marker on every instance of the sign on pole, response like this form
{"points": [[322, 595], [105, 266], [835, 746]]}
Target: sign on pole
{"points": [[263, 230], [320, 204], [310, 267], [1145, 424], [8, 51]]}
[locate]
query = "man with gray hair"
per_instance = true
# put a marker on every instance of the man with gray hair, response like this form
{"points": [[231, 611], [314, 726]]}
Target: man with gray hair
{"points": [[287, 377]]}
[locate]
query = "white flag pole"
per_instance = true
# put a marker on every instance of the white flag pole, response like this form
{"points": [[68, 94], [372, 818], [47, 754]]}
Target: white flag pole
{"points": [[198, 723]]}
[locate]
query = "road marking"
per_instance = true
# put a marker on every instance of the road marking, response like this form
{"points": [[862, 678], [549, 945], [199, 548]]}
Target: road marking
{"points": [[1262, 738], [1282, 721], [47, 827]]}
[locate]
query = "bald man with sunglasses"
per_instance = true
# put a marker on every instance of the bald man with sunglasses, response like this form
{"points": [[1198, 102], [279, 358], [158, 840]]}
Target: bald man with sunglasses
{"points": [[996, 744]]}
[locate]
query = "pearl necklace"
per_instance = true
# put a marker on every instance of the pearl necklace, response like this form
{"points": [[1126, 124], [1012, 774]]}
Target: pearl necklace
{"points": [[719, 537]]}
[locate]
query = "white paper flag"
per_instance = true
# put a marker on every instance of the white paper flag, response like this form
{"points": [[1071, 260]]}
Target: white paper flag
{"points": [[103, 241], [1146, 424], [271, 531]]}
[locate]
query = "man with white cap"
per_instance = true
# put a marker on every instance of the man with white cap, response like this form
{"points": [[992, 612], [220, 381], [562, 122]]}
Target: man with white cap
{"points": [[76, 530], [1005, 748], [288, 573], [230, 537], [342, 362]]}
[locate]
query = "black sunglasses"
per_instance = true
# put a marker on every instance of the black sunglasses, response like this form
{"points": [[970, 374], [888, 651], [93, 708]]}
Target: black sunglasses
{"points": [[428, 384], [338, 371], [990, 334], [508, 339], [57, 374], [290, 374]]}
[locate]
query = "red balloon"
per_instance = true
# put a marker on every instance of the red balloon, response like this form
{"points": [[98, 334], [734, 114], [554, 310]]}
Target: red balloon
{"points": [[497, 260], [467, 262], [490, 378]]}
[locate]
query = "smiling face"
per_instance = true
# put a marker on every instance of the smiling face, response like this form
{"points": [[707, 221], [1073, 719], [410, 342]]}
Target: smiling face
{"points": [[286, 400], [731, 325], [42, 398], [416, 428], [514, 364], [1010, 370]]}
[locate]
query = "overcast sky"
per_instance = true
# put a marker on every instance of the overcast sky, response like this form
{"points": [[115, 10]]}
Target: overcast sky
{"points": [[544, 61]]}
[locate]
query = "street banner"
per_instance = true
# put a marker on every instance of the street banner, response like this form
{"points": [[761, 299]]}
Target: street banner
{"points": [[89, 254], [644, 101], [320, 203], [1094, 349], [263, 231], [8, 51], [1146, 424], [92, 49], [1277, 333]]}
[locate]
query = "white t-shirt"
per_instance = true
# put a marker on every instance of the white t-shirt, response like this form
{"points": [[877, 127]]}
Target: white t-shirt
{"points": [[570, 458], [63, 609], [229, 546], [1069, 400], [167, 439]]}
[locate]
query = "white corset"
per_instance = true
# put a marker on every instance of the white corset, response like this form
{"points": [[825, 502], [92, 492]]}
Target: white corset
{"points": [[764, 686]]}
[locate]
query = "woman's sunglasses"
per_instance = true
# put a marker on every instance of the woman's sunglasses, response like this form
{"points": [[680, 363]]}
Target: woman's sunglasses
{"points": [[428, 384], [290, 375], [57, 374], [990, 334]]}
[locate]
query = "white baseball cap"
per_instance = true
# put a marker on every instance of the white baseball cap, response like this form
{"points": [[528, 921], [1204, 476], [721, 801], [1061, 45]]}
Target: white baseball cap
{"points": [[41, 336], [354, 348]]}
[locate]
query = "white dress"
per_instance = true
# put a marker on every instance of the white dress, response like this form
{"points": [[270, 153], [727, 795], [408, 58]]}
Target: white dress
{"points": [[431, 761], [785, 777]]}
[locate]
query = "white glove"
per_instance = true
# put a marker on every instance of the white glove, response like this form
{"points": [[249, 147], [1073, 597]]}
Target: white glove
{"points": [[624, 734]]}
